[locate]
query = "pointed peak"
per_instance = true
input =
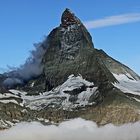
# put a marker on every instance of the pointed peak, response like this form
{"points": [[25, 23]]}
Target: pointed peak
{"points": [[68, 18], [68, 10]]}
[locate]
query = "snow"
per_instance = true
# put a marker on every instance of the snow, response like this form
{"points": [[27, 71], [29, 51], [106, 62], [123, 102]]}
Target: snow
{"points": [[63, 95], [7, 95], [58, 97], [17, 92], [9, 101], [9, 98], [5, 124], [124, 77], [14, 95], [127, 83], [138, 100], [42, 119], [74, 82], [84, 96], [32, 84]]}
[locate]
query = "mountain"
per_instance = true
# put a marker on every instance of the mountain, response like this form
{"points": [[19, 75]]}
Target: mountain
{"points": [[76, 80]]}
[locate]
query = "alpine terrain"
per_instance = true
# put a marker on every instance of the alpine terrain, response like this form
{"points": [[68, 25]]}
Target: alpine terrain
{"points": [[74, 79]]}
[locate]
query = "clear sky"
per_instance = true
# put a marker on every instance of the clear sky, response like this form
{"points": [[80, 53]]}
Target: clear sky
{"points": [[25, 22]]}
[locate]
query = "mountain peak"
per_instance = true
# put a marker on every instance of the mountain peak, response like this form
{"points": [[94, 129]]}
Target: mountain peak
{"points": [[68, 18], [67, 39]]}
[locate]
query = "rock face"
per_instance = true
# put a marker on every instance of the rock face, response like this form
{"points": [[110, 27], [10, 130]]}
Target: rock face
{"points": [[77, 80], [71, 51]]}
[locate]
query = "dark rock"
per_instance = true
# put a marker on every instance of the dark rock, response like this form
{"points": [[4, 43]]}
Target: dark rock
{"points": [[76, 91]]}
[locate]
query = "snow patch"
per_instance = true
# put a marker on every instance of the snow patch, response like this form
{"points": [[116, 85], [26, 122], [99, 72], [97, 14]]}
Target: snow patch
{"points": [[127, 83], [138, 100], [9, 101]]}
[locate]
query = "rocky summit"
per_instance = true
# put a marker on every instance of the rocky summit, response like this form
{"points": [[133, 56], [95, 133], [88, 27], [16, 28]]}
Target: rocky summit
{"points": [[76, 80]]}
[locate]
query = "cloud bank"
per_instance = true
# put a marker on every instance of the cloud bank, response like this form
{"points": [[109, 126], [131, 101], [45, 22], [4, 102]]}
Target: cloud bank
{"points": [[113, 20], [77, 129]]}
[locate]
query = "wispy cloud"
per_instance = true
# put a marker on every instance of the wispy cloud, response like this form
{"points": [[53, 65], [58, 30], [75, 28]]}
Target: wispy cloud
{"points": [[113, 20]]}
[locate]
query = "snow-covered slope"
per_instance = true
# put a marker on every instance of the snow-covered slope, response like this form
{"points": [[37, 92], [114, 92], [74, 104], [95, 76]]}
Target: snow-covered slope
{"points": [[127, 83], [73, 93]]}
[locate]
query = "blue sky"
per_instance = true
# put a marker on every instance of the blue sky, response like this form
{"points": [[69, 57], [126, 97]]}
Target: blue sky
{"points": [[25, 22]]}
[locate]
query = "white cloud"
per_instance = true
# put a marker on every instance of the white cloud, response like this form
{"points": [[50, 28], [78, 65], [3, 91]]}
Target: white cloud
{"points": [[77, 129], [113, 20]]}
